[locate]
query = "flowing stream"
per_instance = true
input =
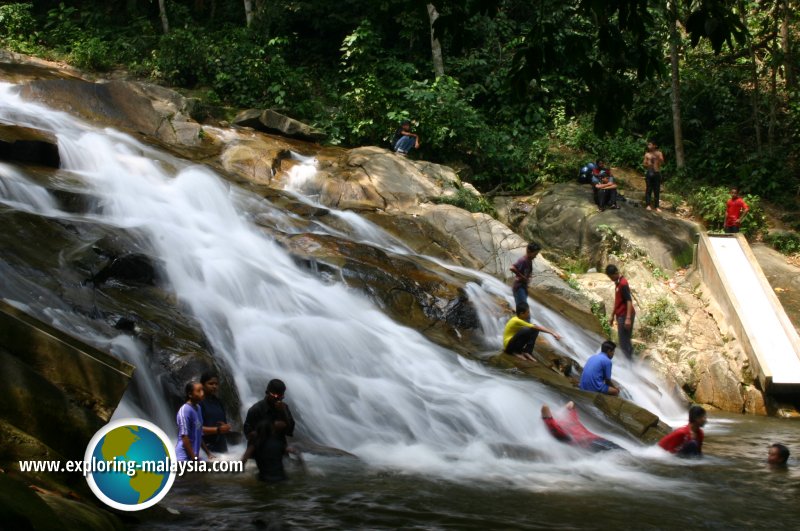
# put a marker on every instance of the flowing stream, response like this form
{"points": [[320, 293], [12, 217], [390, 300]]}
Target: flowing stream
{"points": [[425, 423]]}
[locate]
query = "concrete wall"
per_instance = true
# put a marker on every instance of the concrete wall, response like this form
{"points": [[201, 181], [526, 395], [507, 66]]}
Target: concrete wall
{"points": [[711, 269]]}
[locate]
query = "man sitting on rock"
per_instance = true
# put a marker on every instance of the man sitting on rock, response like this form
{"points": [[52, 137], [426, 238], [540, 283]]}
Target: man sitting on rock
{"points": [[404, 140], [596, 375], [606, 192], [519, 336]]}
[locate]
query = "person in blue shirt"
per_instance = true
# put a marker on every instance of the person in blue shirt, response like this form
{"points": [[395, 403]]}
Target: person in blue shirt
{"points": [[596, 375], [215, 420], [190, 425]]}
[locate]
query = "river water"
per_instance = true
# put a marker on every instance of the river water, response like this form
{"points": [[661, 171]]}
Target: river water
{"points": [[441, 441], [731, 488]]}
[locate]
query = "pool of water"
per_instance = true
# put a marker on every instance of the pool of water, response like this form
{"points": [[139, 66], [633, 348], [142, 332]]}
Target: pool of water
{"points": [[731, 488]]}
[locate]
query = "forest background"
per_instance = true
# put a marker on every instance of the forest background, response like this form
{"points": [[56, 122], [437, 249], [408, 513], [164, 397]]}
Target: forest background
{"points": [[511, 93]]}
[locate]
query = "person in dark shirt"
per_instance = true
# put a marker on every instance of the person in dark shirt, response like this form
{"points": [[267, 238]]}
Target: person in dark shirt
{"points": [[624, 314], [523, 269], [266, 427], [215, 420]]}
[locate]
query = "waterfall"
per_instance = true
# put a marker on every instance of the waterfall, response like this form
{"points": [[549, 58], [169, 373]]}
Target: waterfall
{"points": [[356, 379]]}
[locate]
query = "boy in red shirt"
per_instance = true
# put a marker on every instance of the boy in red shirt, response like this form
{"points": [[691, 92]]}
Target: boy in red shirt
{"points": [[735, 210], [688, 440]]}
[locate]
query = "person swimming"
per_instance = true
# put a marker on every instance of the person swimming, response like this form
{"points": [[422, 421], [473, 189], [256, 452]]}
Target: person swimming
{"points": [[569, 430]]}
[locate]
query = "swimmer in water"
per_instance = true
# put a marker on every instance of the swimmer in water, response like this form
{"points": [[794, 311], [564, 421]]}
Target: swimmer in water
{"points": [[568, 429]]}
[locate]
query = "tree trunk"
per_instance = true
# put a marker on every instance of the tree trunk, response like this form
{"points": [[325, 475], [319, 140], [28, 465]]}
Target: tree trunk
{"points": [[248, 11], [674, 56], [773, 111], [788, 57], [436, 46], [756, 84], [162, 11]]}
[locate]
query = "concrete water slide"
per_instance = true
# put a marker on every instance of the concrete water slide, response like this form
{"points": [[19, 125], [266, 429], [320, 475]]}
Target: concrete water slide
{"points": [[737, 283]]}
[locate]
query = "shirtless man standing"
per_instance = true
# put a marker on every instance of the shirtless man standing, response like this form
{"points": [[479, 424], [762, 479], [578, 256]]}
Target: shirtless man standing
{"points": [[653, 159]]}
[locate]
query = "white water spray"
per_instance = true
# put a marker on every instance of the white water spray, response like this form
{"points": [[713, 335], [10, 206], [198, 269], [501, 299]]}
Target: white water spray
{"points": [[356, 379]]}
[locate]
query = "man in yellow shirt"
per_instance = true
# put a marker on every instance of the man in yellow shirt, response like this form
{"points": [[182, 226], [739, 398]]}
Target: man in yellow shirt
{"points": [[520, 334]]}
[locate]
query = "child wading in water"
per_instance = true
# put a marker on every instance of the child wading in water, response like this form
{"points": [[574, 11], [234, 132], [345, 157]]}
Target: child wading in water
{"points": [[190, 425]]}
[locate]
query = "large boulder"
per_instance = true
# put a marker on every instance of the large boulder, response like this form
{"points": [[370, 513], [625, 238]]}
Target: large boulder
{"points": [[564, 219], [153, 111], [270, 121]]}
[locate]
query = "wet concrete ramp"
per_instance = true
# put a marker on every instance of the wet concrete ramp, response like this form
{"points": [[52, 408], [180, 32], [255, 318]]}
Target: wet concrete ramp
{"points": [[730, 270]]}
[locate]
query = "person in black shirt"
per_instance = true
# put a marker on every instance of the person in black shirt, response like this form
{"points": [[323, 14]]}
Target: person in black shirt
{"points": [[266, 427], [215, 421]]}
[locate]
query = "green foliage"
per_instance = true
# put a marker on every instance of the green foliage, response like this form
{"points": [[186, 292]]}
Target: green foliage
{"points": [[597, 311], [180, 58], [467, 200], [248, 72], [92, 53], [16, 21], [784, 242], [709, 203], [659, 316], [573, 283], [17, 26], [619, 148]]}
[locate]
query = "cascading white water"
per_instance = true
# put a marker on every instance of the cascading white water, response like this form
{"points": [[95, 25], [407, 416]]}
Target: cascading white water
{"points": [[356, 379], [638, 381]]}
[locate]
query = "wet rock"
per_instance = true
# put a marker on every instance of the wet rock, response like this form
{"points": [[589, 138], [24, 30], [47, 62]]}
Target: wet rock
{"points": [[136, 107], [420, 295], [23, 144], [270, 121], [132, 269], [564, 218]]}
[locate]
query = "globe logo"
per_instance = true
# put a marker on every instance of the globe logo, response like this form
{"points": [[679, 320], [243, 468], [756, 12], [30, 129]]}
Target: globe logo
{"points": [[128, 464]]}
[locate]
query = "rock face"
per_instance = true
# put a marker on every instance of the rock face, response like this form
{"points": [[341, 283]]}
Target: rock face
{"points": [[565, 219], [431, 300], [136, 107], [783, 277], [23, 144], [705, 364], [270, 121]]}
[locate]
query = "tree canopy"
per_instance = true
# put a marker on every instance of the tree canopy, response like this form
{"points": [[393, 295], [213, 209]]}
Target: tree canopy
{"points": [[520, 92]]}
